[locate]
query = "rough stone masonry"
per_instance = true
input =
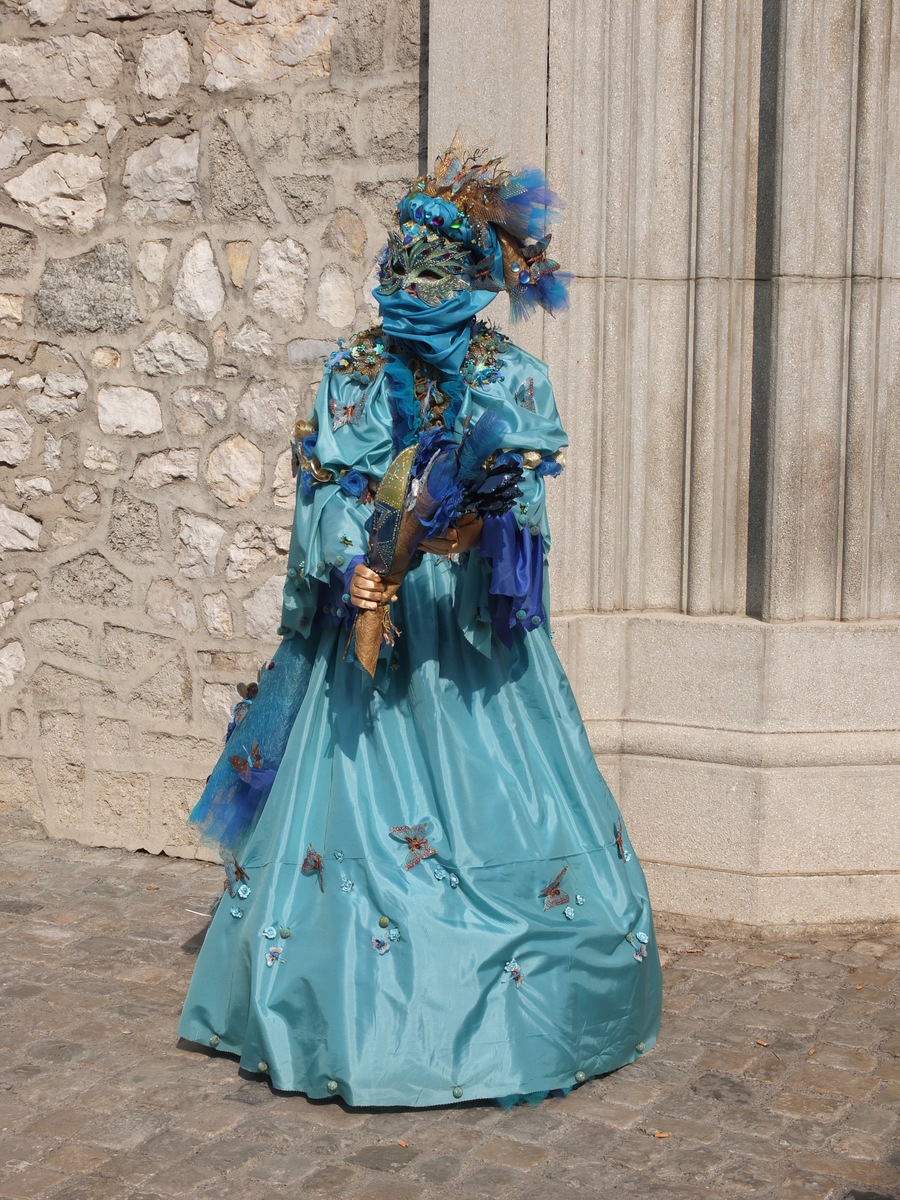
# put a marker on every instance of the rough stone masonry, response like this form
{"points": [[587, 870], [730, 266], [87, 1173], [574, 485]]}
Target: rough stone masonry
{"points": [[192, 193]]}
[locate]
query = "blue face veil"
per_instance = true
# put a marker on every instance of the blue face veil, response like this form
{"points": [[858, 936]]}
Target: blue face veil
{"points": [[437, 333]]}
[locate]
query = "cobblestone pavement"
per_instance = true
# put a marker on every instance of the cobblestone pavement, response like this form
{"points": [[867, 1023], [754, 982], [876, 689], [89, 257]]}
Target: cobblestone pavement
{"points": [[777, 1073]]}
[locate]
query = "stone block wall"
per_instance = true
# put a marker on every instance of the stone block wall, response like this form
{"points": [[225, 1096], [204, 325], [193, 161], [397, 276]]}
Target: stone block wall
{"points": [[192, 193]]}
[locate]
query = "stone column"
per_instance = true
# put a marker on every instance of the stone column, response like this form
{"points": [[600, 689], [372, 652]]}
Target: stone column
{"points": [[725, 375]]}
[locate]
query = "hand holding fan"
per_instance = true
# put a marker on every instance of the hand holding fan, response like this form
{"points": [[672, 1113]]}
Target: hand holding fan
{"points": [[427, 488]]}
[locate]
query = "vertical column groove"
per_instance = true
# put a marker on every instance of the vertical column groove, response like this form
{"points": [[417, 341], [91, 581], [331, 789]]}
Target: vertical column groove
{"points": [[691, 309], [847, 322], [759, 487]]}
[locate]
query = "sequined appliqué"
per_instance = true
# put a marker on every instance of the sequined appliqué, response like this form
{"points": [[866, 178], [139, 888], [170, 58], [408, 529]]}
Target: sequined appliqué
{"points": [[362, 359], [524, 395], [483, 362], [343, 413], [416, 839]]}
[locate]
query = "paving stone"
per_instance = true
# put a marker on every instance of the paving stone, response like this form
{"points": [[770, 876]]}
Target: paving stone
{"points": [[677, 1002], [678, 1052], [631, 1092], [676, 1127], [490, 1181], [803, 1186], [386, 1157], [508, 1152], [720, 1088], [443, 1168], [855, 1144], [71, 1159], [801, 1004], [689, 1161], [29, 1183], [751, 1122], [758, 956], [796, 1104], [865, 1037], [845, 1057], [814, 1076], [329, 1180], [63, 1122], [393, 1189], [728, 1062], [748, 1178], [767, 1068], [598, 1109], [869, 1119], [861, 1174]]}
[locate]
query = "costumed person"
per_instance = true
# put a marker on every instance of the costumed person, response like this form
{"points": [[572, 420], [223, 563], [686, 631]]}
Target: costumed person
{"points": [[431, 896]]}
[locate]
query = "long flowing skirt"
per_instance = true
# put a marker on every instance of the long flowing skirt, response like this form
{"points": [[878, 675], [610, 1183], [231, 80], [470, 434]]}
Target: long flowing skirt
{"points": [[441, 902]]}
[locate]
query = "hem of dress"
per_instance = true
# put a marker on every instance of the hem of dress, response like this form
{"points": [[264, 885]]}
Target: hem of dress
{"points": [[508, 1095]]}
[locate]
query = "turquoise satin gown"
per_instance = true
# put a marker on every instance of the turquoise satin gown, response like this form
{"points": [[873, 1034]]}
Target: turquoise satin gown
{"points": [[437, 900]]}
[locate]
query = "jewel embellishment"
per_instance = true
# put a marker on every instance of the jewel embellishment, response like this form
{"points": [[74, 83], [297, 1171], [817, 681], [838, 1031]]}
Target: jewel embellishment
{"points": [[553, 893], [512, 971], [416, 840], [638, 941], [380, 944], [274, 955]]}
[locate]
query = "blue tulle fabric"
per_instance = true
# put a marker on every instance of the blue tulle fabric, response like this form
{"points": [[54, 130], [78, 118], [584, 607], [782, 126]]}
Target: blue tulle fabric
{"points": [[232, 800], [439, 901]]}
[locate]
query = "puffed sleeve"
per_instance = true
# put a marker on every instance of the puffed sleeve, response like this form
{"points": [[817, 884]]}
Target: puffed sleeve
{"points": [[340, 463], [507, 582]]}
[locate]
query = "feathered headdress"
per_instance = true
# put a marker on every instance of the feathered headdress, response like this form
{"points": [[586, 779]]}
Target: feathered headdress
{"points": [[500, 216]]}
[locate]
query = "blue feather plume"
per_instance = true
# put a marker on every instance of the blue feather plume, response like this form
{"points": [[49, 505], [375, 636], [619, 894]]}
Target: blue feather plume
{"points": [[479, 442], [448, 470], [528, 205]]}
